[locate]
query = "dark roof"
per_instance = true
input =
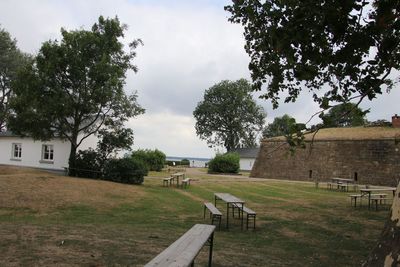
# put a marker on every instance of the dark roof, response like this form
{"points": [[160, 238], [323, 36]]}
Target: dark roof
{"points": [[7, 134], [247, 152]]}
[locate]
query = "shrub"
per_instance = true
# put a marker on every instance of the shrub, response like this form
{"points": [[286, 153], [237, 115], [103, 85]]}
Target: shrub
{"points": [[88, 164], [224, 163], [185, 162], [125, 170], [154, 159]]}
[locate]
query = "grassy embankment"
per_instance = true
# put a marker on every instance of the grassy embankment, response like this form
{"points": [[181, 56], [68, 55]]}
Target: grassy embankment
{"points": [[48, 220]]}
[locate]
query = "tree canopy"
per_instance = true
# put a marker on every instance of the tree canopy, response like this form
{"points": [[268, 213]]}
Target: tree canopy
{"points": [[74, 87], [11, 60], [228, 115], [281, 126], [344, 115], [339, 50]]}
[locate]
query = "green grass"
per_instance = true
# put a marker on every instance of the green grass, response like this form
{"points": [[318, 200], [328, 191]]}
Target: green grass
{"points": [[297, 224]]}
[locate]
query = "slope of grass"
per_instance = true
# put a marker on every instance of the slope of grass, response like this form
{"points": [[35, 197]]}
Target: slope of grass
{"points": [[48, 220]]}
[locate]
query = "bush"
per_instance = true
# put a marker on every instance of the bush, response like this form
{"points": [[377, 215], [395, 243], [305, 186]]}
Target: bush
{"points": [[154, 159], [185, 162], [224, 163], [88, 164], [125, 170]]}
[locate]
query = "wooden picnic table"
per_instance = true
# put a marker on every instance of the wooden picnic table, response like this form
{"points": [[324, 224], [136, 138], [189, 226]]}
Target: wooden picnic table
{"points": [[229, 200], [369, 191], [342, 182], [177, 175]]}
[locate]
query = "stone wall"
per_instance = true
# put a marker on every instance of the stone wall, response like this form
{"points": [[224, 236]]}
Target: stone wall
{"points": [[374, 162]]}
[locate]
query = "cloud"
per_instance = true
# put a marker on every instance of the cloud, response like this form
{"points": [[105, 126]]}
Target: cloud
{"points": [[188, 47]]}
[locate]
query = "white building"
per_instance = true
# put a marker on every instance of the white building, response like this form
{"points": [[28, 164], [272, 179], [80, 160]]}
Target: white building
{"points": [[24, 151], [247, 157]]}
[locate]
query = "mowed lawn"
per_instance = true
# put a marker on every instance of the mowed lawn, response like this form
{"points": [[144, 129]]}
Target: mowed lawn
{"points": [[51, 220]]}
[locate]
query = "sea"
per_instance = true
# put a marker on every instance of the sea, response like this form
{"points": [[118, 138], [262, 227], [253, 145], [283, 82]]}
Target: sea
{"points": [[194, 162]]}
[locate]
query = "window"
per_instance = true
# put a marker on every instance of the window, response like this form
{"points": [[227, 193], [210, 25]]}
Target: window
{"points": [[16, 151], [47, 152]]}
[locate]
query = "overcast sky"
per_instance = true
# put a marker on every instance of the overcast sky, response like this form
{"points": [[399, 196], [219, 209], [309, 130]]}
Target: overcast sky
{"points": [[188, 47]]}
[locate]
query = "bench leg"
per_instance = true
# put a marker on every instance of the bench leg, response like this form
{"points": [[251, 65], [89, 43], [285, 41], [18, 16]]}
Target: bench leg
{"points": [[211, 249]]}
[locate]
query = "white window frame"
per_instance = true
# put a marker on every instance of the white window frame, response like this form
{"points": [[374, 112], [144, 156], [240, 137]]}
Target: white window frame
{"points": [[16, 151], [47, 153]]}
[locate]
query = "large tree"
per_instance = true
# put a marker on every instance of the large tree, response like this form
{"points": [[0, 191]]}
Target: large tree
{"points": [[11, 60], [74, 87], [229, 116], [339, 50], [344, 115], [281, 126]]}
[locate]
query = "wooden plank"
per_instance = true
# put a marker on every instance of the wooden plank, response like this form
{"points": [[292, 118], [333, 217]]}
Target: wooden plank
{"points": [[210, 206], [183, 251]]}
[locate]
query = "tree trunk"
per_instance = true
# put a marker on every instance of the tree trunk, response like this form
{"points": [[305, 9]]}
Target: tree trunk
{"points": [[72, 160], [387, 250]]}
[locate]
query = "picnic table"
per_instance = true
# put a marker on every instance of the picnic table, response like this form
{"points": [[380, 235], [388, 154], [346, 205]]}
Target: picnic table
{"points": [[341, 183], [230, 200], [177, 175], [369, 191]]}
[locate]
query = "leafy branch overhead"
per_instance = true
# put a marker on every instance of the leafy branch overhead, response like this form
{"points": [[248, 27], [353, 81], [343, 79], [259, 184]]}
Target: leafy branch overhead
{"points": [[339, 50], [228, 116]]}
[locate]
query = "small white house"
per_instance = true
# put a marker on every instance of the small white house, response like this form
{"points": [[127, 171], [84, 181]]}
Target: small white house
{"points": [[24, 151], [247, 157]]}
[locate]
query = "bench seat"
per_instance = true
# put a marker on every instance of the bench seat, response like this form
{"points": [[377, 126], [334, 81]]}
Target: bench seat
{"points": [[184, 250], [185, 182], [167, 181], [215, 214], [250, 214]]}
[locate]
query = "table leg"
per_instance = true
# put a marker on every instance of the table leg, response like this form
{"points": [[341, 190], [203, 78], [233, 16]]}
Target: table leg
{"points": [[227, 215], [242, 214], [369, 200]]}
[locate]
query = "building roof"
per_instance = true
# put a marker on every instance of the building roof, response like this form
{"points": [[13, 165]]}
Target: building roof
{"points": [[247, 152], [7, 134], [349, 133]]}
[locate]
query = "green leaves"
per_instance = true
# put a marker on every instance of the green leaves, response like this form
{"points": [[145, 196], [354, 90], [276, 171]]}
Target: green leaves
{"points": [[228, 116], [76, 85], [350, 47], [11, 61]]}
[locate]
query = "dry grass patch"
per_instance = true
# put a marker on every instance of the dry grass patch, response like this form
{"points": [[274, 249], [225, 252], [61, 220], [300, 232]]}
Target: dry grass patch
{"points": [[43, 191]]}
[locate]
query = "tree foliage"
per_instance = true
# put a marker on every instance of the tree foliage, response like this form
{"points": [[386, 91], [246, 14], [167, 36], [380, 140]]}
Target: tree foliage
{"points": [[154, 159], [11, 60], [229, 116], [74, 87], [113, 140], [344, 115], [339, 50], [281, 126]]}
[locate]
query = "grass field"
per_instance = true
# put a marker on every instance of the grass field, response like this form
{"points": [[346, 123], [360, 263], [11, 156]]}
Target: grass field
{"points": [[50, 220]]}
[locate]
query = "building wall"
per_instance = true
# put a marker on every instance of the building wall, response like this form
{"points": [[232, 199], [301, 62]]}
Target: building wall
{"points": [[375, 162], [32, 153], [246, 164]]}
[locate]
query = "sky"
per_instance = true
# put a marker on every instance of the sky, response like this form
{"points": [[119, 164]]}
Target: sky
{"points": [[189, 46]]}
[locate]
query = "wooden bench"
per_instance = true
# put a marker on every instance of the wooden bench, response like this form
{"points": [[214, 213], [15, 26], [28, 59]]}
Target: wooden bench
{"points": [[378, 199], [354, 198], [167, 181], [184, 250], [250, 214], [185, 182], [215, 214]]}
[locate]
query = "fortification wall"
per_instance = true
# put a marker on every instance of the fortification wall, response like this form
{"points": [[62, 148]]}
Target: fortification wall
{"points": [[374, 162]]}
